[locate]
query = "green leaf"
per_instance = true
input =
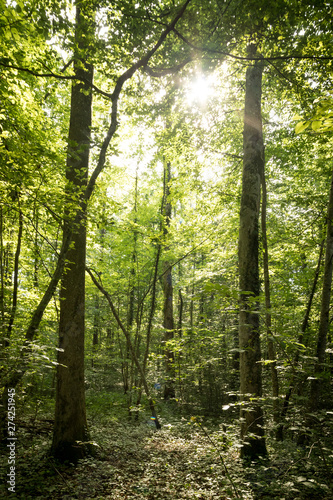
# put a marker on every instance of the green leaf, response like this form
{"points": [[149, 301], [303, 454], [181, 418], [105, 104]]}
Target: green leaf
{"points": [[316, 125], [301, 126]]}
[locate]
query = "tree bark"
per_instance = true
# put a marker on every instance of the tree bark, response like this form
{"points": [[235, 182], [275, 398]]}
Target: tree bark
{"points": [[150, 323], [252, 421], [168, 321], [2, 285], [128, 368], [70, 428], [180, 313]]}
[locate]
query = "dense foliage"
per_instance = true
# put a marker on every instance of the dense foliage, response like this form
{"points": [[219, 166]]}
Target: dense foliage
{"points": [[161, 209]]}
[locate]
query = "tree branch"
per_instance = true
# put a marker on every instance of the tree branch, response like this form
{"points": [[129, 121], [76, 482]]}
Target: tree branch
{"points": [[250, 58], [141, 369], [141, 63], [55, 75], [159, 72]]}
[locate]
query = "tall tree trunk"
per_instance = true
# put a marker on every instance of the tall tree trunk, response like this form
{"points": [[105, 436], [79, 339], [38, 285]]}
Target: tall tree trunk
{"points": [[268, 316], [131, 306], [129, 366], [70, 426], [36, 252], [20, 368], [168, 321], [252, 422], [316, 383], [180, 305], [96, 330], [150, 323]]}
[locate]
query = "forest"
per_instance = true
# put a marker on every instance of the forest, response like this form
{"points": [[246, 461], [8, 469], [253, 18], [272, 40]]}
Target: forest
{"points": [[166, 249]]}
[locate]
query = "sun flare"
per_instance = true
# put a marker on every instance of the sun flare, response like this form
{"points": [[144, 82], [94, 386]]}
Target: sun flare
{"points": [[200, 89]]}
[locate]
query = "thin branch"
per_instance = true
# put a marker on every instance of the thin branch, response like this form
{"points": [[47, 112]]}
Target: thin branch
{"points": [[57, 76], [221, 458], [250, 58], [129, 343], [141, 63], [280, 72], [34, 73], [159, 72]]}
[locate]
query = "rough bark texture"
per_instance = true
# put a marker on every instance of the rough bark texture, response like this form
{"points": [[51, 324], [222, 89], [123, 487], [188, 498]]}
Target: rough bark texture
{"points": [[70, 415], [168, 321], [252, 431]]}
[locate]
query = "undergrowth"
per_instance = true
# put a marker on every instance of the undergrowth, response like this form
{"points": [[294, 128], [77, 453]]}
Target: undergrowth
{"points": [[190, 458]]}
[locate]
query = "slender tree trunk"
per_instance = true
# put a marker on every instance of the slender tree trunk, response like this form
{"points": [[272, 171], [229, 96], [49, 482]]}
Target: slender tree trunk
{"points": [[150, 322], [131, 309], [180, 308], [168, 321], [70, 426], [131, 304], [15, 280], [141, 369], [305, 322], [268, 316], [36, 257], [317, 381], [252, 422], [96, 329], [2, 285]]}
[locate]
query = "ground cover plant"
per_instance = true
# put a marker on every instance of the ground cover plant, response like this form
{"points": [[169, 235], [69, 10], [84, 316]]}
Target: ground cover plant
{"points": [[190, 457]]}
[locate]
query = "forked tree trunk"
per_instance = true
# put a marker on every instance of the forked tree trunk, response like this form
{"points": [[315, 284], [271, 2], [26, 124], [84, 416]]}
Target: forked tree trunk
{"points": [[15, 376], [70, 428], [252, 422]]}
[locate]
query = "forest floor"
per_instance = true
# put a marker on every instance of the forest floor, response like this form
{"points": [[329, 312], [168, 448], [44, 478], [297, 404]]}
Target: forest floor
{"points": [[184, 460]]}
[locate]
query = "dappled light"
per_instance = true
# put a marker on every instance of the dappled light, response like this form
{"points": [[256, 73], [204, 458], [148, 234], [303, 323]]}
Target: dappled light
{"points": [[166, 208]]}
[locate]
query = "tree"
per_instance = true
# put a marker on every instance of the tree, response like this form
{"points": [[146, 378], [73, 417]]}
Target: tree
{"points": [[317, 381], [70, 427], [268, 315], [76, 218], [252, 426], [168, 321]]}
